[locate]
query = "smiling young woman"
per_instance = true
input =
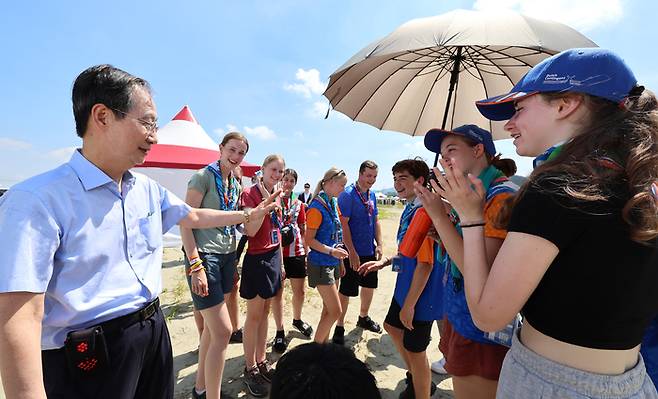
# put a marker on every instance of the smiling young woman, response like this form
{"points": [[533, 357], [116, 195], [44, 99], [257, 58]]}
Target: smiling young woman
{"points": [[581, 232]]}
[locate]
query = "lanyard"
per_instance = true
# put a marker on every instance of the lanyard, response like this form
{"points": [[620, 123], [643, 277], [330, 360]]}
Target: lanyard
{"points": [[365, 199]]}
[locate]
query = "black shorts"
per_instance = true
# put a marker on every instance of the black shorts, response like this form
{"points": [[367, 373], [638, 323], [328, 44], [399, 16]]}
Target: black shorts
{"points": [[295, 266], [349, 284], [261, 275], [415, 340]]}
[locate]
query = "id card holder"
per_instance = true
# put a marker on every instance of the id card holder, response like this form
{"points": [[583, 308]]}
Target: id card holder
{"points": [[396, 264], [274, 237], [86, 351]]}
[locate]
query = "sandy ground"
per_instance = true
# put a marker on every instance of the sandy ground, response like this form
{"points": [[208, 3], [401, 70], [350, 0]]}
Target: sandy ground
{"points": [[377, 350]]}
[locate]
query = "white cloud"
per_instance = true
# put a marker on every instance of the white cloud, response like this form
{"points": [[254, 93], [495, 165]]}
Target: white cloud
{"points": [[581, 14], [60, 155], [220, 132], [309, 83], [319, 110], [261, 132], [12, 144]]}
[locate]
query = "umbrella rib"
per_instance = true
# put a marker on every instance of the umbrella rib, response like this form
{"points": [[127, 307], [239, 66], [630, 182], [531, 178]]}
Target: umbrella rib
{"points": [[372, 95], [390, 110], [486, 92], [392, 57], [427, 98], [492, 63], [429, 93]]}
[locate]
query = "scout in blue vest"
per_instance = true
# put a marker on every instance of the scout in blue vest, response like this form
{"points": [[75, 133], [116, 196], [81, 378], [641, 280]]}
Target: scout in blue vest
{"points": [[324, 236]]}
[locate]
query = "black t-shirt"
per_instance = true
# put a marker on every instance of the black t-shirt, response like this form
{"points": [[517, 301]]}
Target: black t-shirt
{"points": [[601, 291]]}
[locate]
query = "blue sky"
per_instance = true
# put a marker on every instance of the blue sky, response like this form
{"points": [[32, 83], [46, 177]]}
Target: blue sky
{"points": [[258, 66]]}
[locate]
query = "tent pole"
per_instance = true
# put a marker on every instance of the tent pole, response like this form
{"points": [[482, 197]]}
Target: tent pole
{"points": [[454, 76]]}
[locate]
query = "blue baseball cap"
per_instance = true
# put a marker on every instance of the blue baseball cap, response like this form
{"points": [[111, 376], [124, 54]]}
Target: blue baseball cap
{"points": [[434, 137], [594, 71]]}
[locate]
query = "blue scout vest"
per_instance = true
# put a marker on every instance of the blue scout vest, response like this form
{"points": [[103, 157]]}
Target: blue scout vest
{"points": [[329, 233]]}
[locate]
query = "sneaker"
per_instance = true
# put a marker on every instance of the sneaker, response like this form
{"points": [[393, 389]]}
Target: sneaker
{"points": [[369, 324], [266, 370], [236, 337], [198, 395], [303, 327], [339, 335], [438, 367], [409, 393], [255, 383], [280, 343]]}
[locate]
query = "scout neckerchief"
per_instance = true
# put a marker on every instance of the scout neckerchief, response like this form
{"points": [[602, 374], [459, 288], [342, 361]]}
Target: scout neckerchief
{"points": [[275, 216], [331, 205], [228, 197], [365, 200], [548, 155], [488, 176], [286, 207], [407, 215]]}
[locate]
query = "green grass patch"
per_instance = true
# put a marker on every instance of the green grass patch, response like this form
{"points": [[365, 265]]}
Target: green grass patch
{"points": [[389, 211]]}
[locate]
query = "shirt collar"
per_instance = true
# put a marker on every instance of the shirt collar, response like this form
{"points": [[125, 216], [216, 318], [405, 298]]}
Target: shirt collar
{"points": [[90, 175]]}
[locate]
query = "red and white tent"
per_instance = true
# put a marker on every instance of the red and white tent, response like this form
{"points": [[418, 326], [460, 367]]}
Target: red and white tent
{"points": [[183, 148]]}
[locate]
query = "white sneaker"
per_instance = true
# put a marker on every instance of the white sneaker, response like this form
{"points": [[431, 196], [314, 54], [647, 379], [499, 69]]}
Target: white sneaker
{"points": [[438, 366]]}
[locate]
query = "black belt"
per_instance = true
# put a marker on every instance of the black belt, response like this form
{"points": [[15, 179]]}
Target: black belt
{"points": [[128, 320]]}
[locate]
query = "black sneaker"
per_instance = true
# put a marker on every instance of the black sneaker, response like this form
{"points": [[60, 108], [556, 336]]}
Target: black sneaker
{"points": [[266, 370], [409, 393], [339, 335], [198, 395], [303, 327], [236, 337], [256, 385], [280, 343], [369, 324]]}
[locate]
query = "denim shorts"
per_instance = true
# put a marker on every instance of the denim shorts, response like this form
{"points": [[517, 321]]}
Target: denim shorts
{"points": [[527, 375], [220, 272]]}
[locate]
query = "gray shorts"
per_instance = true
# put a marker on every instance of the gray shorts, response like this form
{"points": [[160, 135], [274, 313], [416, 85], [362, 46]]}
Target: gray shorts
{"points": [[322, 275], [527, 375]]}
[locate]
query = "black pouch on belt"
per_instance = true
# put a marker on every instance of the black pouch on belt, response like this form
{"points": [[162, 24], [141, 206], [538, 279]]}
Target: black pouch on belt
{"points": [[86, 351]]}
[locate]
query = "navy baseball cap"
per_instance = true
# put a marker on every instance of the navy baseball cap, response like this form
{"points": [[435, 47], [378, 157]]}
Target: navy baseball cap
{"points": [[594, 71], [434, 137]]}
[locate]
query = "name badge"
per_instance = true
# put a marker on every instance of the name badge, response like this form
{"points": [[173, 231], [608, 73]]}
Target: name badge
{"points": [[275, 237]]}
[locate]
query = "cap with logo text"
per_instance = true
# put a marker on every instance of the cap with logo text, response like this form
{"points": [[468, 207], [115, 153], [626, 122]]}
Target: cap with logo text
{"points": [[594, 71]]}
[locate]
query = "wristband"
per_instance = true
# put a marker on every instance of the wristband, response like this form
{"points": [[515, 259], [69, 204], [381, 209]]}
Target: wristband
{"points": [[463, 226], [198, 269], [246, 215]]}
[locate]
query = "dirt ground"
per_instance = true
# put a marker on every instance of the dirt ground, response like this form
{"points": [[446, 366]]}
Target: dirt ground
{"points": [[376, 350]]}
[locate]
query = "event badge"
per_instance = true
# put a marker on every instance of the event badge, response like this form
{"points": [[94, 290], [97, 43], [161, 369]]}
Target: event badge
{"points": [[275, 237], [396, 264]]}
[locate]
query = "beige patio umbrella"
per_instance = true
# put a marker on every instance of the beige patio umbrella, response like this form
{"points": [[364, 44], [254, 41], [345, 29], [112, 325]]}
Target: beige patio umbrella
{"points": [[430, 71]]}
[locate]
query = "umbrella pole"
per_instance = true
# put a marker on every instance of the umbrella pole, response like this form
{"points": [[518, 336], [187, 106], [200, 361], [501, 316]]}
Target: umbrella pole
{"points": [[454, 76]]}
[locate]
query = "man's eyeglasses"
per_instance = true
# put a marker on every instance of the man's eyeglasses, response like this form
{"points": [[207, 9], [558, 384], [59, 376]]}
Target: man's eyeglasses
{"points": [[151, 127]]}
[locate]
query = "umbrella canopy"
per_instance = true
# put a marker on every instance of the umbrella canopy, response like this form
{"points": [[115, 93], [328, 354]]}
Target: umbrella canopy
{"points": [[183, 144], [429, 72]]}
